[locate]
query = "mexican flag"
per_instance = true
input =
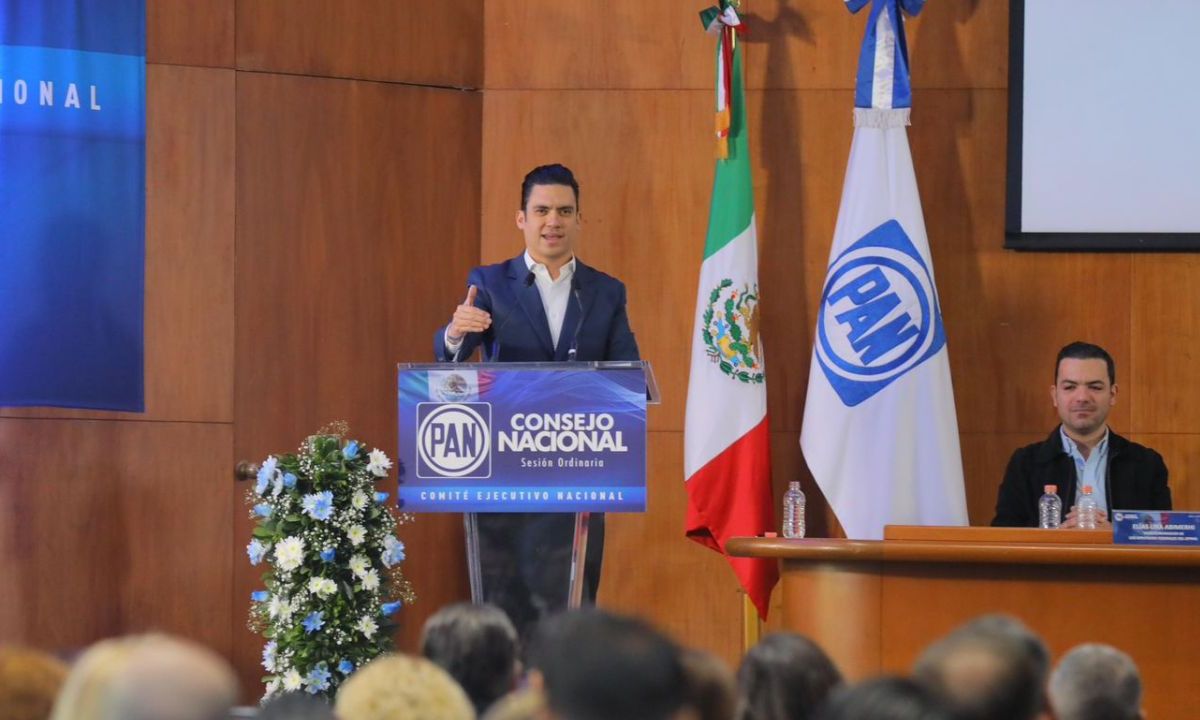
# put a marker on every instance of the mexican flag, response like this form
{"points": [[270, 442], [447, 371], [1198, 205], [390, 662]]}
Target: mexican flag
{"points": [[726, 439]]}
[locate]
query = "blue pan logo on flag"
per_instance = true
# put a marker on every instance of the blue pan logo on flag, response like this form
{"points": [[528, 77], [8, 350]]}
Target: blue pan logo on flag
{"points": [[454, 440], [879, 316]]}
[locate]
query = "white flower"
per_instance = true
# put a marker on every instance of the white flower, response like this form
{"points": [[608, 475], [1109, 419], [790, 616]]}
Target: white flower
{"points": [[322, 587], [280, 608], [277, 487], [359, 565], [359, 500], [379, 463], [356, 533], [268, 656], [367, 626], [272, 688], [292, 680], [289, 553], [370, 581]]}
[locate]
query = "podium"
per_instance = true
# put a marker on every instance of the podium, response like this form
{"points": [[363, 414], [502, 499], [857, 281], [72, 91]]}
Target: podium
{"points": [[875, 605], [525, 439]]}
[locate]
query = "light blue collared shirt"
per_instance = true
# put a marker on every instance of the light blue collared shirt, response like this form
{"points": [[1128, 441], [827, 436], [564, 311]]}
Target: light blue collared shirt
{"points": [[1091, 471]]}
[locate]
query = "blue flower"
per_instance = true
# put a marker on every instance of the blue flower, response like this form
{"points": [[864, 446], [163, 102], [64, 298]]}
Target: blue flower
{"points": [[318, 678], [350, 450], [319, 506], [345, 667], [262, 510], [393, 551], [389, 609], [260, 595], [268, 656], [328, 554], [381, 497], [256, 550], [266, 473], [289, 480], [314, 622]]}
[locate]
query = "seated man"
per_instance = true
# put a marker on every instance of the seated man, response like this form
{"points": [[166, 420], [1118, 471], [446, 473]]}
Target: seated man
{"points": [[1082, 451]]}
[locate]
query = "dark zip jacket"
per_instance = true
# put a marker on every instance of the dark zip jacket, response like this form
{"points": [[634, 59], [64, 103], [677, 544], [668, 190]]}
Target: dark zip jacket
{"points": [[1136, 479]]}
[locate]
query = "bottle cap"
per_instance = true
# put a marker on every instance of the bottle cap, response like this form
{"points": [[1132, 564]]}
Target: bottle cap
{"points": [[1087, 489], [1050, 489]]}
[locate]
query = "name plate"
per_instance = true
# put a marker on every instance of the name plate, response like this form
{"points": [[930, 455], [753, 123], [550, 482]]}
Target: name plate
{"points": [[1131, 527]]}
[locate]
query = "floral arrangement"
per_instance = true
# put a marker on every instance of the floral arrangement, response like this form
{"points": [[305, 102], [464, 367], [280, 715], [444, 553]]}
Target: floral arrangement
{"points": [[333, 579]]}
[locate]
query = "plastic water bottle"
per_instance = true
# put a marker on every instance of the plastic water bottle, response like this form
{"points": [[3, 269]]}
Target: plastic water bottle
{"points": [[1050, 508], [1088, 509], [793, 511]]}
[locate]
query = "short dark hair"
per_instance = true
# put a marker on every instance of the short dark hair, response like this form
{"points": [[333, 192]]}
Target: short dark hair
{"points": [[1080, 350], [548, 175], [475, 644], [784, 677], [886, 698], [598, 665], [992, 668]]}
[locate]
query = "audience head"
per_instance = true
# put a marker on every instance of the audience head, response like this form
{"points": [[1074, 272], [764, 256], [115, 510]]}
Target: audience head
{"points": [[992, 668], [477, 645], [710, 692], [398, 687], [886, 698], [599, 666], [525, 704], [296, 706], [785, 676], [29, 683], [147, 677], [1096, 682]]}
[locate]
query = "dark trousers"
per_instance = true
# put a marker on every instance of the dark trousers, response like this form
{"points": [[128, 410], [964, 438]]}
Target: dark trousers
{"points": [[525, 563]]}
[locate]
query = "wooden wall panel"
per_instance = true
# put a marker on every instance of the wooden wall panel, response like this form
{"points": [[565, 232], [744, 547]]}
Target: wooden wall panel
{"points": [[187, 32], [356, 216], [421, 43], [627, 44], [189, 250], [652, 570], [1162, 372], [113, 527], [1181, 453]]}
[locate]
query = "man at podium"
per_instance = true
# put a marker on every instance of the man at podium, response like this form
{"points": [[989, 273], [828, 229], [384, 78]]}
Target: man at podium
{"points": [[1082, 451], [543, 305]]}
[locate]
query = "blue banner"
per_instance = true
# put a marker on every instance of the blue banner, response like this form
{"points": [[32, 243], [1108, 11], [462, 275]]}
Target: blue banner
{"points": [[522, 440], [72, 203]]}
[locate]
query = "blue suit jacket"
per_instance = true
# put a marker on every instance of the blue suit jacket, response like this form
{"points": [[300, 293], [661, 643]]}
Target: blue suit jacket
{"points": [[520, 331]]}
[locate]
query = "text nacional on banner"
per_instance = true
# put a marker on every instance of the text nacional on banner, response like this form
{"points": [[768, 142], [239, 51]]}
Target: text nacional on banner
{"points": [[726, 441], [880, 432], [72, 203]]}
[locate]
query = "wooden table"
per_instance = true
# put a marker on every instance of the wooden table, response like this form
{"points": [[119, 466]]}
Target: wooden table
{"points": [[874, 605]]}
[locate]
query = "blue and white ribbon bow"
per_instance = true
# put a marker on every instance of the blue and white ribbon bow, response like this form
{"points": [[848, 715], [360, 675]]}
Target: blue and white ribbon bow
{"points": [[883, 78]]}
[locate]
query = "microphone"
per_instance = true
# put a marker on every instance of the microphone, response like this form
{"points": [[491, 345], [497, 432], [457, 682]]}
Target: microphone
{"points": [[579, 325], [528, 281]]}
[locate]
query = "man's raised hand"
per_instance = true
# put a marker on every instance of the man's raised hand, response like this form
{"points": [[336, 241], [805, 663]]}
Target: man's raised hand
{"points": [[468, 318]]}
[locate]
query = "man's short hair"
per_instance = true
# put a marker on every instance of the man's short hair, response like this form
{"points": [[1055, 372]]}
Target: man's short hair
{"points": [[1080, 350], [784, 676], [477, 645], [402, 686], [601, 666], [548, 175], [886, 698], [992, 668], [1096, 682]]}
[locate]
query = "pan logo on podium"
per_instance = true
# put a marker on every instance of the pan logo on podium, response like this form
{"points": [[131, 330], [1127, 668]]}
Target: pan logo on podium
{"points": [[454, 440], [561, 438]]}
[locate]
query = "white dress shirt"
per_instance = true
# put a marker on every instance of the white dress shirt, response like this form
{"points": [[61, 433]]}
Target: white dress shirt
{"points": [[555, 295]]}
